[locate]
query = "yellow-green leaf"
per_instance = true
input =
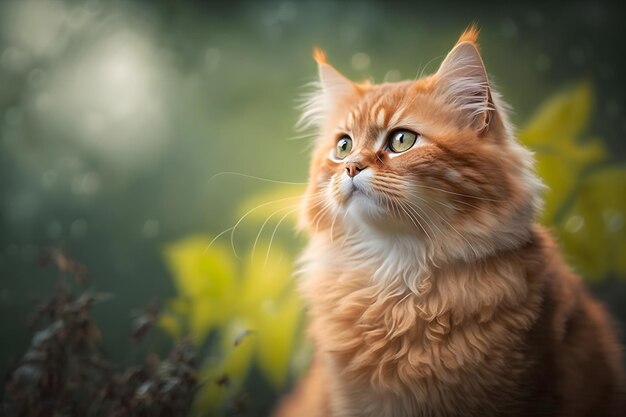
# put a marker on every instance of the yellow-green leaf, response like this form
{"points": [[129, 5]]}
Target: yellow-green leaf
{"points": [[171, 323], [201, 269], [592, 232], [560, 170], [560, 119], [233, 365], [266, 274], [554, 134], [277, 330]]}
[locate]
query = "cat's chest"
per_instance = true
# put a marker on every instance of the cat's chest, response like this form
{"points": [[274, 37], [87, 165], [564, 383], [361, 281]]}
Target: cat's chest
{"points": [[384, 357], [437, 345], [376, 334]]}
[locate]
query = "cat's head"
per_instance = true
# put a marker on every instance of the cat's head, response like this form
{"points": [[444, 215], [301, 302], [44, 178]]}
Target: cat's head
{"points": [[432, 159]]}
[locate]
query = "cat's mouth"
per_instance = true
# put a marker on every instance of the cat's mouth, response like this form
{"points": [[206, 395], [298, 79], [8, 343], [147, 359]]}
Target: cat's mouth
{"points": [[349, 188], [352, 188], [356, 186], [357, 191]]}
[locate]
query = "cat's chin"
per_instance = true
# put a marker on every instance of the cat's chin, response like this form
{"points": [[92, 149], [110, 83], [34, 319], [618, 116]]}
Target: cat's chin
{"points": [[363, 206], [362, 209]]}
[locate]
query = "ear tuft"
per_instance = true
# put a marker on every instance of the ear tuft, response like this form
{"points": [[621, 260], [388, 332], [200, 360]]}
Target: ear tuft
{"points": [[462, 81], [470, 34], [319, 56]]}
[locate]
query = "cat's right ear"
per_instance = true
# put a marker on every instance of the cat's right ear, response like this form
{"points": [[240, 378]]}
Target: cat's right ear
{"points": [[329, 93], [334, 84]]}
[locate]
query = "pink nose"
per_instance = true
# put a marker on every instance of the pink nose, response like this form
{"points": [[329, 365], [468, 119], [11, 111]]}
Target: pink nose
{"points": [[353, 168]]}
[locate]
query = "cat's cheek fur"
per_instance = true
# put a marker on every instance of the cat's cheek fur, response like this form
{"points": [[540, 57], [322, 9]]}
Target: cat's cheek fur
{"points": [[346, 186]]}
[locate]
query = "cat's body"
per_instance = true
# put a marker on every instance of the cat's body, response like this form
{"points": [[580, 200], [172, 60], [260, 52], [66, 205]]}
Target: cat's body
{"points": [[430, 290], [524, 339]]}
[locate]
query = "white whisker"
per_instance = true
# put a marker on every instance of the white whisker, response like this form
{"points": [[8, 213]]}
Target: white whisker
{"points": [[459, 194], [240, 174], [269, 248], [241, 219]]}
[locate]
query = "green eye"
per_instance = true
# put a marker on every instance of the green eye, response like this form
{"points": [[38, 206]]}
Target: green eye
{"points": [[344, 146], [402, 140]]}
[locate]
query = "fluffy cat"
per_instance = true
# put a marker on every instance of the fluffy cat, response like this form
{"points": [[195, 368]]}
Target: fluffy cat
{"points": [[431, 290]]}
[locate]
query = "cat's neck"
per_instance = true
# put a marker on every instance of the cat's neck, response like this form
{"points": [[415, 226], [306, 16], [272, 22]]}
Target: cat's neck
{"points": [[401, 259], [387, 256]]}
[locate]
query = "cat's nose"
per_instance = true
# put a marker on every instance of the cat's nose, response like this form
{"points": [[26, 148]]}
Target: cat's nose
{"points": [[353, 168]]}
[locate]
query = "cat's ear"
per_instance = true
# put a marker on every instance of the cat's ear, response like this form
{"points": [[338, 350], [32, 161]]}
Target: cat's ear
{"points": [[328, 94], [462, 80], [334, 84]]}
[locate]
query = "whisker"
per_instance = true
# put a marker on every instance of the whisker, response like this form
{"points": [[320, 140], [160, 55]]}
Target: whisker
{"points": [[294, 206], [389, 177], [241, 174], [332, 225], [459, 194], [429, 224], [258, 235], [453, 228], [394, 210], [217, 237], [326, 207], [309, 135], [241, 219], [269, 248], [334, 193], [483, 209], [414, 220], [425, 67], [446, 221], [270, 216], [425, 213]]}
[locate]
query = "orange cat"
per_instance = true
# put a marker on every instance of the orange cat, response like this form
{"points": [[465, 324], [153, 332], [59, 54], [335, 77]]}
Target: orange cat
{"points": [[431, 292]]}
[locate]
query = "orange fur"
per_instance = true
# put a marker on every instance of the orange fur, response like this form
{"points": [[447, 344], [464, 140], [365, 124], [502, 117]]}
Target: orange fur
{"points": [[319, 56], [470, 34], [431, 292]]}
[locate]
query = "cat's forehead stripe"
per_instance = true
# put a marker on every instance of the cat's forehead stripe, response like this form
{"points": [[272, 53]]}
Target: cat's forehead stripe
{"points": [[380, 118], [350, 121], [395, 117], [378, 112]]}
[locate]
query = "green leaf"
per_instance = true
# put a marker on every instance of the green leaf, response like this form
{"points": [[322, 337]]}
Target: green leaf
{"points": [[172, 325], [592, 232], [199, 268], [277, 330], [561, 119], [234, 364], [262, 303], [554, 134], [266, 274]]}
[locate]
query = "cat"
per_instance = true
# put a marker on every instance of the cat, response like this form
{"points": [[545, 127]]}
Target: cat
{"points": [[430, 289]]}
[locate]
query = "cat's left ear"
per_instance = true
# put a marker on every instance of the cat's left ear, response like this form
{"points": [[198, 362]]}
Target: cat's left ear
{"points": [[462, 80]]}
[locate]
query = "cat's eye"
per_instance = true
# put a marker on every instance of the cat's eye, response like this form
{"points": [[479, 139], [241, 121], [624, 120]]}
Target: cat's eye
{"points": [[344, 146], [402, 140]]}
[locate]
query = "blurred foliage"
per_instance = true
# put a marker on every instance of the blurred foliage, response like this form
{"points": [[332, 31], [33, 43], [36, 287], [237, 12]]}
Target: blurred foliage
{"points": [[586, 197], [63, 372], [250, 307]]}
